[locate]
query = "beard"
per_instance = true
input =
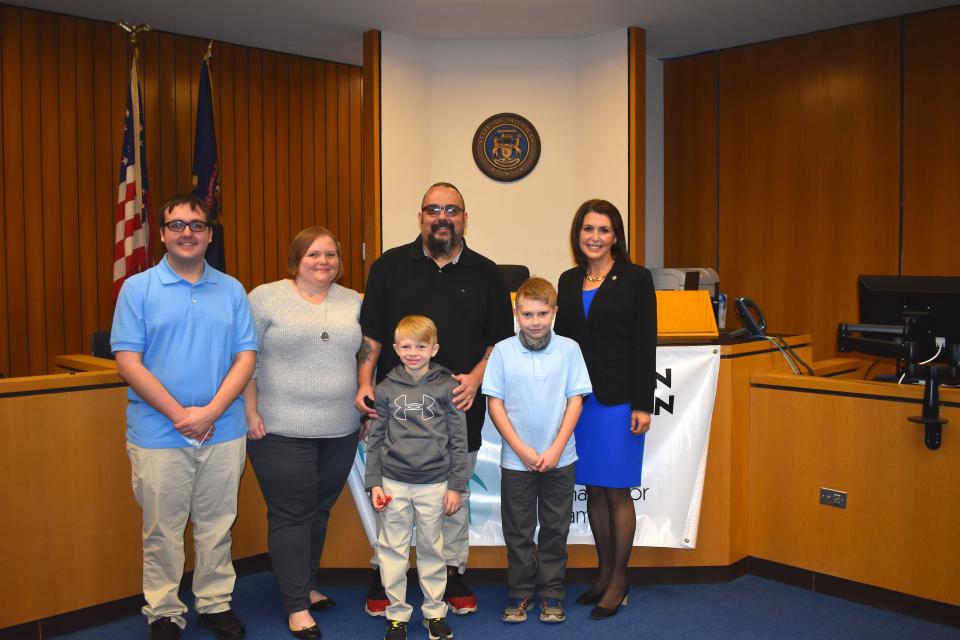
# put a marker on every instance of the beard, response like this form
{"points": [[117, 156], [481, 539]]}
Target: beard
{"points": [[439, 247]]}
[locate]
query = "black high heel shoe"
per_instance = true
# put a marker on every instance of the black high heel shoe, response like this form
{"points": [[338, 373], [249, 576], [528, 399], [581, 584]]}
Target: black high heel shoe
{"points": [[589, 597], [601, 613]]}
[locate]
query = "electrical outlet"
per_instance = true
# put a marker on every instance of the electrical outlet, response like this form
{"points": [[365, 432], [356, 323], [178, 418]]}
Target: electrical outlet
{"points": [[833, 498]]}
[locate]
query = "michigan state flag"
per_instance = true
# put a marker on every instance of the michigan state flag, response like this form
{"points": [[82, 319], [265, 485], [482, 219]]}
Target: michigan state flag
{"points": [[206, 168]]}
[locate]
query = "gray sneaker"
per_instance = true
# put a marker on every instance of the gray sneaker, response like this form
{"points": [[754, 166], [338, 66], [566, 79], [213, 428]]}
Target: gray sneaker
{"points": [[516, 610], [551, 610]]}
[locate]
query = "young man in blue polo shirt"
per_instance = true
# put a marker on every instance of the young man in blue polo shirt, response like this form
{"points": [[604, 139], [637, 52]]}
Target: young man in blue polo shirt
{"points": [[535, 383], [185, 342]]}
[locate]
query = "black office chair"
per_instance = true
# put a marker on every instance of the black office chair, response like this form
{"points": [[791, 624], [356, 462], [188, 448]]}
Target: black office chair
{"points": [[100, 345], [514, 274]]}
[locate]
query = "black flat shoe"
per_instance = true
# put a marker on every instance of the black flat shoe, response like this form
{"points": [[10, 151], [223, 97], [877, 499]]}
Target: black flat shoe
{"points": [[601, 613], [589, 597], [320, 605], [306, 632]]}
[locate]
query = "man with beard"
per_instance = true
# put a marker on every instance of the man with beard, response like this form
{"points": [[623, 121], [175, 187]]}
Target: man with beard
{"points": [[465, 295]]}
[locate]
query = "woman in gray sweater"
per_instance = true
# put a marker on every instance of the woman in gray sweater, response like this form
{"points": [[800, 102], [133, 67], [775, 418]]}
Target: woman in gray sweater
{"points": [[302, 425]]}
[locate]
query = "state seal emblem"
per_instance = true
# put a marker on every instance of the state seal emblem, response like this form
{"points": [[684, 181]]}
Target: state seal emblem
{"points": [[506, 147]]}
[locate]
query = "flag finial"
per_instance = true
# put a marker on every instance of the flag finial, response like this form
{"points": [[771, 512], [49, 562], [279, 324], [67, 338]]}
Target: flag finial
{"points": [[133, 29]]}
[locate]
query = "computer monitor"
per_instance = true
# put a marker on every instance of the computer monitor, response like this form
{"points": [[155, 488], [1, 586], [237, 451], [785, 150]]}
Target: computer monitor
{"points": [[934, 302]]}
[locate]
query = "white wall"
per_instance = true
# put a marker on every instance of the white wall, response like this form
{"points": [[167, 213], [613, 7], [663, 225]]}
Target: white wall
{"points": [[436, 93]]}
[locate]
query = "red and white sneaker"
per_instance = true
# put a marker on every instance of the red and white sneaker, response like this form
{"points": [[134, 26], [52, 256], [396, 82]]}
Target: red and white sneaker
{"points": [[376, 604], [458, 595]]}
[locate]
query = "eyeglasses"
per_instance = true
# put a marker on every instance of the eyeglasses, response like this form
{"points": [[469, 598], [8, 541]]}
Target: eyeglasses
{"points": [[177, 226], [433, 210]]}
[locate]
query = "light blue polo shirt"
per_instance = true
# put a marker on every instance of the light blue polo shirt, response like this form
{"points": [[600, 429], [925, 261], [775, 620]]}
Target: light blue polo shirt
{"points": [[189, 334], [534, 387]]}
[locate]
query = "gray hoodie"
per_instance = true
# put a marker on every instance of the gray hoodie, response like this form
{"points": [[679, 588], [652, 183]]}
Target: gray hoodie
{"points": [[418, 436]]}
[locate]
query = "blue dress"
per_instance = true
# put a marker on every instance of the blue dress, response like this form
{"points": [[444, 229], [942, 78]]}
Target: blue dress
{"points": [[608, 455]]}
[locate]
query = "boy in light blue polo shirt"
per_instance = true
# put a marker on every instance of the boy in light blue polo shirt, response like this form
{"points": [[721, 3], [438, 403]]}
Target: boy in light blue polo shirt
{"points": [[535, 383]]}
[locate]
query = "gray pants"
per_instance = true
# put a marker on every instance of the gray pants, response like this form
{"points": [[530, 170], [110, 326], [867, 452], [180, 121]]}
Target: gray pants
{"points": [[526, 497], [301, 479]]}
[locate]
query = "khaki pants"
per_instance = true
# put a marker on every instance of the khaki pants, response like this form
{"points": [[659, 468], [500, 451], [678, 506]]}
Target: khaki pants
{"points": [[423, 504], [170, 485], [456, 528]]}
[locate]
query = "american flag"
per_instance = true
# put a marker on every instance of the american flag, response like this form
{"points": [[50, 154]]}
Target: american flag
{"points": [[132, 249]]}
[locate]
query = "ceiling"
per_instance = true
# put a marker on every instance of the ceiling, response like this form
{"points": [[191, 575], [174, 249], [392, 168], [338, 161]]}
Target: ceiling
{"points": [[332, 29]]}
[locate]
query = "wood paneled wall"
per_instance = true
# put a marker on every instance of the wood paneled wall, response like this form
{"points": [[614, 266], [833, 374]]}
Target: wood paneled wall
{"points": [[805, 182], [931, 149], [690, 161], [289, 137]]}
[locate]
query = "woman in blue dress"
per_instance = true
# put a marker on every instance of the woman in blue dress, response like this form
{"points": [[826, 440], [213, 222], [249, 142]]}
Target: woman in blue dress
{"points": [[608, 305]]}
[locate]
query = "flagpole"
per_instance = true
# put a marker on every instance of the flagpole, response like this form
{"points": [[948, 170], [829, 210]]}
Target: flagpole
{"points": [[207, 57], [132, 238]]}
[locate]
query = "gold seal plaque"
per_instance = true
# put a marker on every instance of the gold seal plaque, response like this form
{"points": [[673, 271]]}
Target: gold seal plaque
{"points": [[506, 147]]}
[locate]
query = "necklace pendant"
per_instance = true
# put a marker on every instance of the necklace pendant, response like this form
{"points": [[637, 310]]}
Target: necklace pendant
{"points": [[325, 337]]}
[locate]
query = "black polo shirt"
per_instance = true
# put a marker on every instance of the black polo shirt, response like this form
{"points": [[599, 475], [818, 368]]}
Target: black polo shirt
{"points": [[468, 301]]}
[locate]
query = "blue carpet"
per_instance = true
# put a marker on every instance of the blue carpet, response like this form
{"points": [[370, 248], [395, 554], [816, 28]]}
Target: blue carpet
{"points": [[747, 608]]}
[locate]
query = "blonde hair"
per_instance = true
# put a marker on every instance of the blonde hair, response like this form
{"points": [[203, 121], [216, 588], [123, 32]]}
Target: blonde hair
{"points": [[417, 328], [537, 288]]}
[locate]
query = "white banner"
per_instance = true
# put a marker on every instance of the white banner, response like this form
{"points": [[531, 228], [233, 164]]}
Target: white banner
{"points": [[674, 463]]}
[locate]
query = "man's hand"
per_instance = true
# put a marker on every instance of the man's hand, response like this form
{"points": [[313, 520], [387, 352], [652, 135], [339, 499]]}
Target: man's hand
{"points": [[197, 423], [255, 428], [639, 422], [364, 393], [466, 392], [451, 502]]}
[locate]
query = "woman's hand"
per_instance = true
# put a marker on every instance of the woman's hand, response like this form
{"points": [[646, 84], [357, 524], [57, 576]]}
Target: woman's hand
{"points": [[639, 422], [255, 428]]}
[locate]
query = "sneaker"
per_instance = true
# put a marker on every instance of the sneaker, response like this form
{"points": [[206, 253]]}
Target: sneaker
{"points": [[458, 594], [164, 629], [438, 629], [396, 631], [224, 624], [551, 610], [516, 610], [376, 604]]}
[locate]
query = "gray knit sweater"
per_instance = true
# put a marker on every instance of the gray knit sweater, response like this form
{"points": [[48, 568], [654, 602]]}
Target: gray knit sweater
{"points": [[305, 385]]}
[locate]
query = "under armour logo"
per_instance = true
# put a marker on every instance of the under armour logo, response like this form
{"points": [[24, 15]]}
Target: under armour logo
{"points": [[424, 407]]}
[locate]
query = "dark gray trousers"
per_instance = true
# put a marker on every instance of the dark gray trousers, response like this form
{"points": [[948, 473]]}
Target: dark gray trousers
{"points": [[301, 479], [526, 497]]}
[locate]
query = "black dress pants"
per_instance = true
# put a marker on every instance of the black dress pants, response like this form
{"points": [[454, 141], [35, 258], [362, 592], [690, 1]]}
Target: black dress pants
{"points": [[301, 479], [526, 498]]}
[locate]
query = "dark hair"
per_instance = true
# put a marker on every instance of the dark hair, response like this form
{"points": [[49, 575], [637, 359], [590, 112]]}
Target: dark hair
{"points": [[192, 201], [301, 243], [445, 185], [603, 207]]}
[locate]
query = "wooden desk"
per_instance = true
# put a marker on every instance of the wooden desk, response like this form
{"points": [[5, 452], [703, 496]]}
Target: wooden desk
{"points": [[899, 528], [722, 536], [70, 525]]}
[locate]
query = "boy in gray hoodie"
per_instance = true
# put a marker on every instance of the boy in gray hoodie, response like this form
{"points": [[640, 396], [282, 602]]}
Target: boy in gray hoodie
{"points": [[416, 469]]}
